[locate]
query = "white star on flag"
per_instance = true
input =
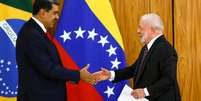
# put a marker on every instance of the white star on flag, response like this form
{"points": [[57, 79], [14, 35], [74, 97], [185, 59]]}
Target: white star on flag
{"points": [[2, 61], [109, 91], [112, 50], [66, 36], [8, 63], [115, 64], [92, 34], [103, 40], [7, 69], [79, 32]]}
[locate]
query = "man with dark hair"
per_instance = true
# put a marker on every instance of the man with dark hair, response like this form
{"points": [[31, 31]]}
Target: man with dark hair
{"points": [[42, 76]]}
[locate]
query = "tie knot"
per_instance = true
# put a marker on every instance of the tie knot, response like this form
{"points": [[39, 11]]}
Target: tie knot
{"points": [[145, 46], [145, 49]]}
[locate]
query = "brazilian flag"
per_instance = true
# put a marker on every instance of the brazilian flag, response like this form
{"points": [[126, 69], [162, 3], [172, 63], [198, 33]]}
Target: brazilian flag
{"points": [[13, 14]]}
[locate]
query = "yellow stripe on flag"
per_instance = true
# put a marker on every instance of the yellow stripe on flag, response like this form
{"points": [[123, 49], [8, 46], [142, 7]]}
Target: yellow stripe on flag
{"points": [[7, 99], [103, 11], [8, 12]]}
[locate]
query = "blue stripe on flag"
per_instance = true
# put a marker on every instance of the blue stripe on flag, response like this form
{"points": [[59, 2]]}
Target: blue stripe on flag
{"points": [[86, 40]]}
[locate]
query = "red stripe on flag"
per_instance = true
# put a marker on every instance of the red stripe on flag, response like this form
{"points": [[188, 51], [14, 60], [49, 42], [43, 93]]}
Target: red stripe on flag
{"points": [[76, 92]]}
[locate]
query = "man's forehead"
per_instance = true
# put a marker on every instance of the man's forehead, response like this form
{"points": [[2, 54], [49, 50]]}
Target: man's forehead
{"points": [[141, 24]]}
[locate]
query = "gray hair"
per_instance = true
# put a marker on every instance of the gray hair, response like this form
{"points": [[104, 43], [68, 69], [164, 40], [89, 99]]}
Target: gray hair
{"points": [[153, 20]]}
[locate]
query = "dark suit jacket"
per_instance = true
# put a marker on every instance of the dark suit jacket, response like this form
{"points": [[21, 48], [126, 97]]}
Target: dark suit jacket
{"points": [[158, 74], [41, 74]]}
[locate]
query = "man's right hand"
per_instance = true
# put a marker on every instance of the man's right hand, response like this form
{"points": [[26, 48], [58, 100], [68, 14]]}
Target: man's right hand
{"points": [[87, 76]]}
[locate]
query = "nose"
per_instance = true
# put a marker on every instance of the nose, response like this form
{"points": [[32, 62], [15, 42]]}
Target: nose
{"points": [[138, 31]]}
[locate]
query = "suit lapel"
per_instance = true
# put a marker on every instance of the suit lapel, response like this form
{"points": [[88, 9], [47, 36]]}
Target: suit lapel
{"points": [[142, 68], [51, 46], [38, 28]]}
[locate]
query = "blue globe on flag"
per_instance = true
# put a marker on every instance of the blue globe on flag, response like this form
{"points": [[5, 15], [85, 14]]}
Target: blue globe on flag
{"points": [[8, 66]]}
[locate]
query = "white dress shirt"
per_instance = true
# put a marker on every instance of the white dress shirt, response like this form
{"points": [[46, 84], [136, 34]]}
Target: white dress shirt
{"points": [[40, 24]]}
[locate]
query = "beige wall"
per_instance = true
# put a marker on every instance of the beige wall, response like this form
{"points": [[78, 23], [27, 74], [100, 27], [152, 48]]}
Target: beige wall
{"points": [[188, 44]]}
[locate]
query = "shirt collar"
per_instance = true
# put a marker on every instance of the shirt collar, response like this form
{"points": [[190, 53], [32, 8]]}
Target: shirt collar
{"points": [[40, 24], [152, 41]]}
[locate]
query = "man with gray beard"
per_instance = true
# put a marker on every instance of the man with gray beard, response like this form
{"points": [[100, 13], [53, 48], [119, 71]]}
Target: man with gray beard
{"points": [[154, 71]]}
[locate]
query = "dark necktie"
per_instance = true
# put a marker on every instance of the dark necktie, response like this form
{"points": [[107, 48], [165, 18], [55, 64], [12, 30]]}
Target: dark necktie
{"points": [[144, 55], [145, 51]]}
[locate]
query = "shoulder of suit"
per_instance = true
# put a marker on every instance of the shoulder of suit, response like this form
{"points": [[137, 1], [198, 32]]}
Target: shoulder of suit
{"points": [[164, 47]]}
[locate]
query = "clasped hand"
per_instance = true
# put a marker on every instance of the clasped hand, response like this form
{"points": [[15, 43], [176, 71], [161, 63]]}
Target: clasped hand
{"points": [[94, 78], [102, 75]]}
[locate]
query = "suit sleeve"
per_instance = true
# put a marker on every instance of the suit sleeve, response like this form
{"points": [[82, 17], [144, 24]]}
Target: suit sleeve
{"points": [[35, 50], [125, 73], [168, 76]]}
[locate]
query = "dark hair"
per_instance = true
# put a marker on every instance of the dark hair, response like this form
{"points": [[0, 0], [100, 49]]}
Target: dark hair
{"points": [[43, 4]]}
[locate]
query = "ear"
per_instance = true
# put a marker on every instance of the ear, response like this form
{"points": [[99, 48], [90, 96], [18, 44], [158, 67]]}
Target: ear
{"points": [[41, 13], [153, 30]]}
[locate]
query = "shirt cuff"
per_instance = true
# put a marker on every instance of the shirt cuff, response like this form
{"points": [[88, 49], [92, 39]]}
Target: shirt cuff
{"points": [[112, 76], [146, 92]]}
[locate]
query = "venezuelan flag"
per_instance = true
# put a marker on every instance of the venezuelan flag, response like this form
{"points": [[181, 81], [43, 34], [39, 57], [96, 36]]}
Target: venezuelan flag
{"points": [[87, 33], [13, 14]]}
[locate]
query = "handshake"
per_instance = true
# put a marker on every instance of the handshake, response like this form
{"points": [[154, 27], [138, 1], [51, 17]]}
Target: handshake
{"points": [[93, 78], [105, 74]]}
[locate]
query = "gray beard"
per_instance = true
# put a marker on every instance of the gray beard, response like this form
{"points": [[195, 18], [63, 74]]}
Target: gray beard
{"points": [[142, 40]]}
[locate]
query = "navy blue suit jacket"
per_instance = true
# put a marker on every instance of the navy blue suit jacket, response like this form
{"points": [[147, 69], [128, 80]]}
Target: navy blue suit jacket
{"points": [[41, 74]]}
